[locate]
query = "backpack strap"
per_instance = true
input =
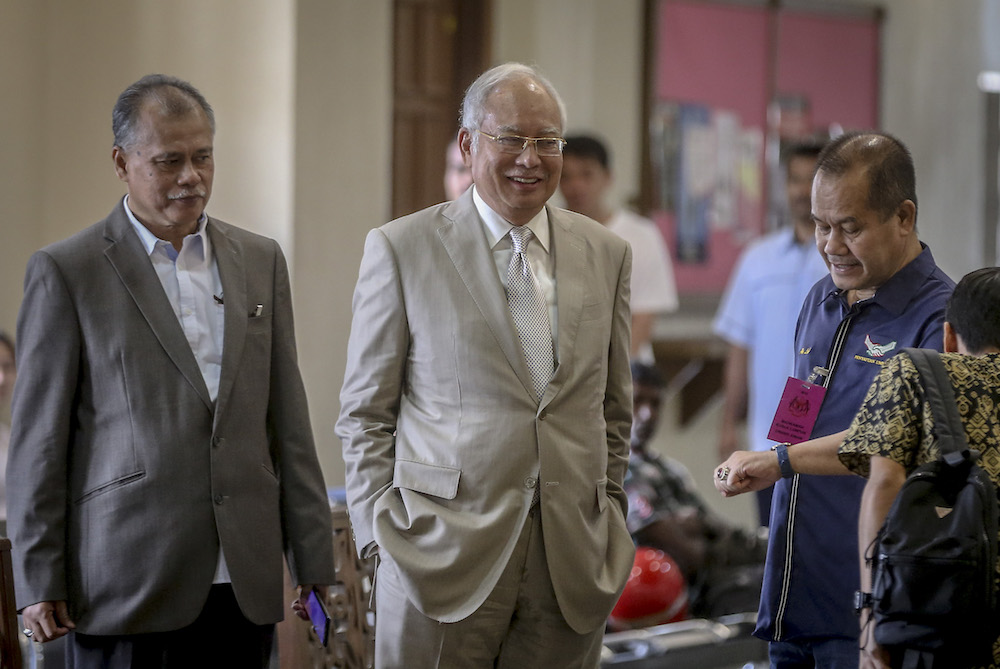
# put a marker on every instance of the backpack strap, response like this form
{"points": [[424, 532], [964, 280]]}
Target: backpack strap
{"points": [[948, 426]]}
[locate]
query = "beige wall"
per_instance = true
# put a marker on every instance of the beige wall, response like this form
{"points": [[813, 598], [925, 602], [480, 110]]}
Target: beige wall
{"points": [[932, 52], [21, 156], [344, 129], [84, 54], [64, 64], [302, 91]]}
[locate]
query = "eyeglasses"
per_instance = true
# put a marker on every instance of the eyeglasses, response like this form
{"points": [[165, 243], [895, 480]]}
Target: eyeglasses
{"points": [[544, 146]]}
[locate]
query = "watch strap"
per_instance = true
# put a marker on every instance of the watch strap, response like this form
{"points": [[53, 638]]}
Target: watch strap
{"points": [[781, 450]]}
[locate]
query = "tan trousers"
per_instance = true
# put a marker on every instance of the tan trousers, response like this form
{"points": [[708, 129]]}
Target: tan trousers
{"points": [[519, 626]]}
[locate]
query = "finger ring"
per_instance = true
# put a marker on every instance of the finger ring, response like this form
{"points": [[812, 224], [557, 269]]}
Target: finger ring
{"points": [[722, 474], [27, 632]]}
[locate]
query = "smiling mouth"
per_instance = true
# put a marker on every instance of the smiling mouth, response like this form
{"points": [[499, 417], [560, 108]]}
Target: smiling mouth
{"points": [[843, 266], [525, 180]]}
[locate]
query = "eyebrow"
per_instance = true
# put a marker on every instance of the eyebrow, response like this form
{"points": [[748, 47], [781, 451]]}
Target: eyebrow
{"points": [[174, 154], [554, 132], [839, 221]]}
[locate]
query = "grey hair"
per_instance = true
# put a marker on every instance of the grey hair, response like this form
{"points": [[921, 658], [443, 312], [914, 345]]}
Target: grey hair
{"points": [[474, 103], [174, 96]]}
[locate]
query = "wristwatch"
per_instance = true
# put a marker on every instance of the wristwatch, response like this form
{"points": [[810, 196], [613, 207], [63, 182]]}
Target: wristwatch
{"points": [[783, 463], [862, 601]]}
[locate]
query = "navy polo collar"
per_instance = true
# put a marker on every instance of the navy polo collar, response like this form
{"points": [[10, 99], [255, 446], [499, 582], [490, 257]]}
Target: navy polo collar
{"points": [[901, 288]]}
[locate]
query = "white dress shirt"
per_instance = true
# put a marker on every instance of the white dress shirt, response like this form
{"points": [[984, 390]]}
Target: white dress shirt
{"points": [[190, 278], [539, 254]]}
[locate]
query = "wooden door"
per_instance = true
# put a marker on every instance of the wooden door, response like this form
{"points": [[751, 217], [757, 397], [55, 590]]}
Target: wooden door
{"points": [[440, 46]]}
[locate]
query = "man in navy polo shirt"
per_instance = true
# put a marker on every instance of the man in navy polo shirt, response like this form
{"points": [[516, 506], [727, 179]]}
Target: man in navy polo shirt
{"points": [[884, 293]]}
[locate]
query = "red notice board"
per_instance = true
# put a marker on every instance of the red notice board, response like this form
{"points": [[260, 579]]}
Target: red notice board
{"points": [[718, 70]]}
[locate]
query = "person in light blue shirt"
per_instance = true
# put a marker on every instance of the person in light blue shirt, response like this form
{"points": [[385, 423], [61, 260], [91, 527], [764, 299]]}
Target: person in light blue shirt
{"points": [[758, 312]]}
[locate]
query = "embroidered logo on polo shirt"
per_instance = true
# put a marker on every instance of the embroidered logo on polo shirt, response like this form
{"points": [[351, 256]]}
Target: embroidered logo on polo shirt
{"points": [[878, 350]]}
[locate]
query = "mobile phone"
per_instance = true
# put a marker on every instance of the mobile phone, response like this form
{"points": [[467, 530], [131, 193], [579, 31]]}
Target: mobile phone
{"points": [[319, 617]]}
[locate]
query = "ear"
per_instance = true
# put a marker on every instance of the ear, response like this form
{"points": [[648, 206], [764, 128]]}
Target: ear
{"points": [[465, 145], [120, 160], [951, 342], [907, 213]]}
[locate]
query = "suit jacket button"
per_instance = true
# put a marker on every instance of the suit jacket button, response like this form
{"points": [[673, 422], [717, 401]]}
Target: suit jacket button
{"points": [[219, 499], [543, 415], [218, 441], [530, 482]]}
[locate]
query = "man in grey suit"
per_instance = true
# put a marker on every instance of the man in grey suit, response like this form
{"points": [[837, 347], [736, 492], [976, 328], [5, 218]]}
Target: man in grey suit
{"points": [[485, 456], [161, 458]]}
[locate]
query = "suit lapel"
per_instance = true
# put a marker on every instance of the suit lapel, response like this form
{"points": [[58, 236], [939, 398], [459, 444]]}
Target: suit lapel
{"points": [[232, 273], [127, 255], [570, 264], [465, 243]]}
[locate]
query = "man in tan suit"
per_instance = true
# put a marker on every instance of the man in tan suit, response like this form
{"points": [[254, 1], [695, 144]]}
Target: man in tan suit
{"points": [[161, 457], [484, 456]]}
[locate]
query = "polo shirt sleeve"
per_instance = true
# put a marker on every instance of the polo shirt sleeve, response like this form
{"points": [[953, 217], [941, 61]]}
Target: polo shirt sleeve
{"points": [[735, 320], [890, 421]]}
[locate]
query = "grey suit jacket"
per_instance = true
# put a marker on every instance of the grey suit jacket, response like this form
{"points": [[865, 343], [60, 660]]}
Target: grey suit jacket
{"points": [[443, 438], [124, 479]]}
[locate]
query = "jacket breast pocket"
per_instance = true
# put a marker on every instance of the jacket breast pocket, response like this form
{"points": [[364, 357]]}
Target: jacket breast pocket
{"points": [[425, 478], [259, 324]]}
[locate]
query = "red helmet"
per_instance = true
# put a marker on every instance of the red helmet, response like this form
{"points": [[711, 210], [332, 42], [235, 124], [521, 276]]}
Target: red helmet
{"points": [[655, 593]]}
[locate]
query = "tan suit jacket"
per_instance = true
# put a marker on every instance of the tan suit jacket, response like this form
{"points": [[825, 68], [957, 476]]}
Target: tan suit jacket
{"points": [[124, 478], [443, 437]]}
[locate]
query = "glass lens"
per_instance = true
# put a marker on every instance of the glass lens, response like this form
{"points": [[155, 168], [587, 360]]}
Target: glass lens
{"points": [[510, 143], [548, 147]]}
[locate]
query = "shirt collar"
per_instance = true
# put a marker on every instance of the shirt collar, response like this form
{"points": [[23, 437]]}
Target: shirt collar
{"points": [[149, 240], [905, 284], [497, 227]]}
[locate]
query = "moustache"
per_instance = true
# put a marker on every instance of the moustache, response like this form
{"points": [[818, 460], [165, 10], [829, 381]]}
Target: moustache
{"points": [[183, 195]]}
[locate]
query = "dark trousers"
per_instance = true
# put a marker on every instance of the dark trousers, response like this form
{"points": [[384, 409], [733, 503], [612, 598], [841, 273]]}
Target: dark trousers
{"points": [[220, 637], [830, 653]]}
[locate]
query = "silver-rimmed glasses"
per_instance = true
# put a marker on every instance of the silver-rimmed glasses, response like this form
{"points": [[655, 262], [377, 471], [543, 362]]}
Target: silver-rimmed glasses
{"points": [[544, 146]]}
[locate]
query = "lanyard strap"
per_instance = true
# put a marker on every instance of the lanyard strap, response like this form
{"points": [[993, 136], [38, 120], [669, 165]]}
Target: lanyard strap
{"points": [[833, 357]]}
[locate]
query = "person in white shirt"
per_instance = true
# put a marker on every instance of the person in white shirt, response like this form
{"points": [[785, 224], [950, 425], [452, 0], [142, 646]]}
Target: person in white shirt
{"points": [[586, 178]]}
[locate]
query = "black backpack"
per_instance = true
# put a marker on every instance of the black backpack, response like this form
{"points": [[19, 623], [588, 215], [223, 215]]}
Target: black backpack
{"points": [[935, 558]]}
